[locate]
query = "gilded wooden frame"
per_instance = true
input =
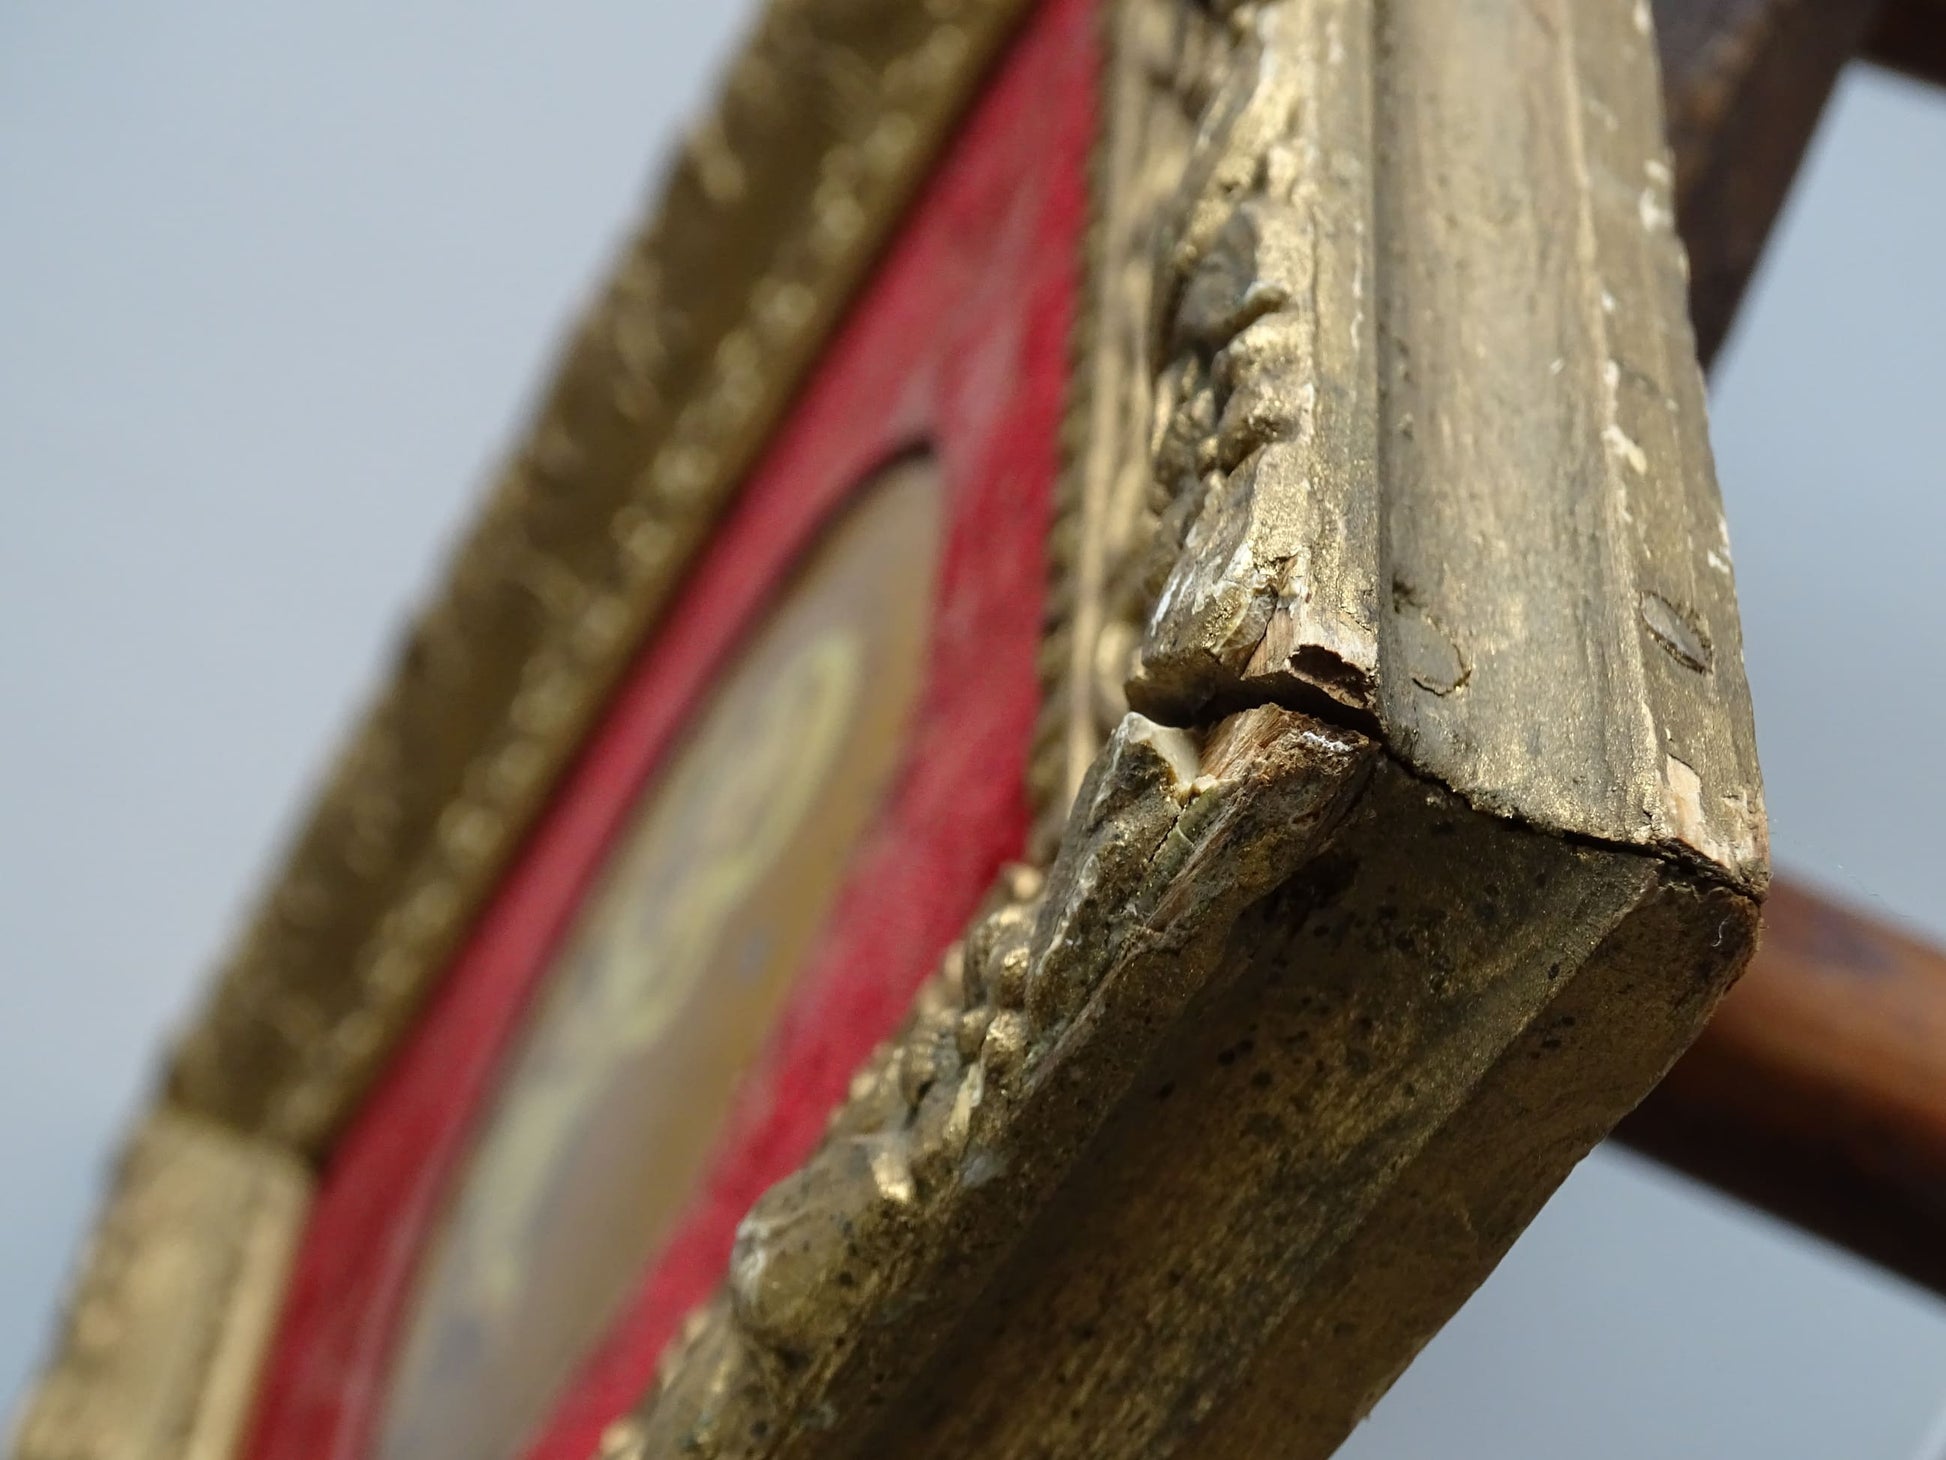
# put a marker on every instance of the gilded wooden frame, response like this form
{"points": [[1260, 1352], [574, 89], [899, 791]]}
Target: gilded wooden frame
{"points": [[768, 221], [1361, 736]]}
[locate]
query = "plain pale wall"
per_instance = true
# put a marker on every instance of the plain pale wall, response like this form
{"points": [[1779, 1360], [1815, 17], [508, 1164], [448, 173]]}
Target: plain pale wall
{"points": [[275, 283]]}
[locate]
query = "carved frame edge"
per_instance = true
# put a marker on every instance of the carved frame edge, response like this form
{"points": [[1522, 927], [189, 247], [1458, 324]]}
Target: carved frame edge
{"points": [[825, 124], [1183, 826], [1227, 415], [174, 1302], [666, 390]]}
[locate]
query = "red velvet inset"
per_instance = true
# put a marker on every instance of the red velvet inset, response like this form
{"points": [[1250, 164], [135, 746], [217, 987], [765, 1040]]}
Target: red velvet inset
{"points": [[960, 341]]}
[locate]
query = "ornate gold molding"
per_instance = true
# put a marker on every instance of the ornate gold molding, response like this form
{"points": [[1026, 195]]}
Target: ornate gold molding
{"points": [[669, 387], [179, 1289], [847, 1273], [1357, 436], [826, 121], [1106, 520]]}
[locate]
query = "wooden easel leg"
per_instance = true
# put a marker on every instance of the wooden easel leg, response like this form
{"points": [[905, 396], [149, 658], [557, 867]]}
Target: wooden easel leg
{"points": [[1744, 83]]}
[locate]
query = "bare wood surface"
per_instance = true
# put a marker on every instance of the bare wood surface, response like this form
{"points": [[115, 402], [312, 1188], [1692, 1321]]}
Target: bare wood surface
{"points": [[1911, 37], [1818, 1091], [1745, 82]]}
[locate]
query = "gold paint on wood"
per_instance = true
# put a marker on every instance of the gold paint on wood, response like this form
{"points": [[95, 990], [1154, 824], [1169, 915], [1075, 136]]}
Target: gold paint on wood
{"points": [[1266, 387], [1409, 1042], [849, 1273], [1105, 520], [175, 1301], [1431, 426], [1552, 516], [1387, 432], [670, 386]]}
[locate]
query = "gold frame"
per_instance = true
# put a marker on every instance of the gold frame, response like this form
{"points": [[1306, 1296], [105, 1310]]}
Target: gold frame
{"points": [[180, 1288], [673, 381], [783, 195], [1300, 537]]}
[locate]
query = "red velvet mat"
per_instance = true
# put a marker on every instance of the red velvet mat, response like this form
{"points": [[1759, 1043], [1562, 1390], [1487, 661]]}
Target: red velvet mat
{"points": [[961, 341]]}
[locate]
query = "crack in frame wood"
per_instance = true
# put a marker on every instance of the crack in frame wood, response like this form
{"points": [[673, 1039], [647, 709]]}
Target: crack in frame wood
{"points": [[1280, 233]]}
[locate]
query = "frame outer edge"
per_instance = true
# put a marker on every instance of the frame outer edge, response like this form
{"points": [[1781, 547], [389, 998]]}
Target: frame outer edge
{"points": [[665, 393], [1575, 555], [174, 1300], [669, 388]]}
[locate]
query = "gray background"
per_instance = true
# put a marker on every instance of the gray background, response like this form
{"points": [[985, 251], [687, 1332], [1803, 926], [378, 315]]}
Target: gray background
{"points": [[275, 282]]}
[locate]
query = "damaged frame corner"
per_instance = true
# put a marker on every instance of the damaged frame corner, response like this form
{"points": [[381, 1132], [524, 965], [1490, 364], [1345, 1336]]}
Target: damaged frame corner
{"points": [[1399, 811], [1360, 457]]}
